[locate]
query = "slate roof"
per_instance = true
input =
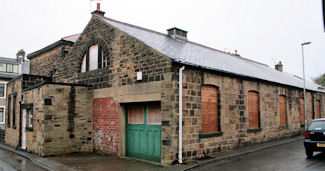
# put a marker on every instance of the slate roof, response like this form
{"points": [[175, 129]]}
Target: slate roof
{"points": [[69, 40], [190, 53]]}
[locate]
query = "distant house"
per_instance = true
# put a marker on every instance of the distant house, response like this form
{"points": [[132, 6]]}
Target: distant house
{"points": [[9, 69], [115, 88]]}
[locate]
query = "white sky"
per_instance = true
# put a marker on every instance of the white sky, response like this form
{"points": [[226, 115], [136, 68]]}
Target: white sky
{"points": [[266, 31]]}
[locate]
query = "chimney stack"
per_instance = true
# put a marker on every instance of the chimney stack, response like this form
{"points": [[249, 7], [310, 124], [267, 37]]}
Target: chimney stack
{"points": [[279, 66], [177, 33], [98, 11]]}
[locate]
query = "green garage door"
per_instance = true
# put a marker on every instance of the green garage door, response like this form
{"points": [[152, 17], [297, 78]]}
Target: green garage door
{"points": [[143, 132]]}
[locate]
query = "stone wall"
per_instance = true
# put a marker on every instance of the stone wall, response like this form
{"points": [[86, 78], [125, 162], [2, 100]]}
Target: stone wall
{"points": [[12, 134], [46, 62], [62, 121], [127, 56], [67, 119], [234, 116]]}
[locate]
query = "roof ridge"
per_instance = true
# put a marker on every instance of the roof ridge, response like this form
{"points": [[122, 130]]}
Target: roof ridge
{"points": [[194, 43]]}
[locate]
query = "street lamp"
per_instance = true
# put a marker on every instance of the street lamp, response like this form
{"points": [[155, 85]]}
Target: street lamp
{"points": [[303, 68]]}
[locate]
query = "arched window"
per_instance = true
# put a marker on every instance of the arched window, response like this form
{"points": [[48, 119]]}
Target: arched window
{"points": [[94, 58], [210, 113], [253, 110]]}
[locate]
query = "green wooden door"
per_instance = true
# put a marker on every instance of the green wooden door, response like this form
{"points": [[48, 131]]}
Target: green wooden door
{"points": [[143, 132]]}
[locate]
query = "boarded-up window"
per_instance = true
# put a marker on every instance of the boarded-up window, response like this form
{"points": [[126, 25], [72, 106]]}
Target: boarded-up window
{"points": [[135, 115], [209, 109], [153, 115], [283, 110], [83, 64], [253, 110], [318, 109], [93, 57], [302, 111]]}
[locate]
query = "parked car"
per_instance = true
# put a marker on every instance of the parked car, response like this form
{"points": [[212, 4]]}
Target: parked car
{"points": [[315, 137]]}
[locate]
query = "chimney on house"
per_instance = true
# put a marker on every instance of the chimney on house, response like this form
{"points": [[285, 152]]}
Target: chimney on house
{"points": [[20, 56], [279, 66], [177, 33], [98, 11]]}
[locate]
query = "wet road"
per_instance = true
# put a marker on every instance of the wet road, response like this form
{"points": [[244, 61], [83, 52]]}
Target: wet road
{"points": [[285, 157], [10, 161]]}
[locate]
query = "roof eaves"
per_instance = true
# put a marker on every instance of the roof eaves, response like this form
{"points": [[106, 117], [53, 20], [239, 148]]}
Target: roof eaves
{"points": [[236, 74], [49, 47]]}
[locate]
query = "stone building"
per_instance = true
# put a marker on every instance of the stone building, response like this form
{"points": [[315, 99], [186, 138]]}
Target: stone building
{"points": [[116, 90]]}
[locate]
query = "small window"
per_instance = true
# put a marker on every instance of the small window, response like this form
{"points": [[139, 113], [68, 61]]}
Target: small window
{"points": [[94, 58], [253, 110], [283, 110], [83, 64], [1, 114], [302, 111], [9, 67], [153, 115], [14, 111], [15, 69], [136, 115], [210, 109], [2, 90], [30, 114], [3, 67]]}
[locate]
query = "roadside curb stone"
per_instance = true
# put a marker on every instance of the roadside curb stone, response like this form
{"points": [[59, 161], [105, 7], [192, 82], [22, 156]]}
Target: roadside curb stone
{"points": [[40, 161], [218, 158]]}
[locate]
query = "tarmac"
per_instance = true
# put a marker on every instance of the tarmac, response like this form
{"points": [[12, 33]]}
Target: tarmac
{"points": [[97, 161]]}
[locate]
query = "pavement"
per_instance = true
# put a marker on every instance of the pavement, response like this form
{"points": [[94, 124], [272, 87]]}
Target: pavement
{"points": [[96, 161]]}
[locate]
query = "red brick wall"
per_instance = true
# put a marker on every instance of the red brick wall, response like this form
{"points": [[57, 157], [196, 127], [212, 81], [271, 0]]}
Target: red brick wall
{"points": [[105, 125]]}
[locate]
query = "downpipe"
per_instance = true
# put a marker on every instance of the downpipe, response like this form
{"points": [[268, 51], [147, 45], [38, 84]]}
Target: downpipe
{"points": [[180, 115]]}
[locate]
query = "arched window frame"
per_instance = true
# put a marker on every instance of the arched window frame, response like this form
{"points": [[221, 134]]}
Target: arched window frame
{"points": [[103, 58]]}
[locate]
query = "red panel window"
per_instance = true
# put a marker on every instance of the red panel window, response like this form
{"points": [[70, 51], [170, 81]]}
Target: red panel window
{"points": [[209, 109], [253, 110]]}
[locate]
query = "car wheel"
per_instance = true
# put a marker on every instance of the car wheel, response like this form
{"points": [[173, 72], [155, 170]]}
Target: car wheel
{"points": [[309, 153]]}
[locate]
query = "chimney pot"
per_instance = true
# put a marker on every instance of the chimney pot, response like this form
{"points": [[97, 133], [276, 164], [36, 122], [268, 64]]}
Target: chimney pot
{"points": [[279, 66], [98, 6], [98, 11]]}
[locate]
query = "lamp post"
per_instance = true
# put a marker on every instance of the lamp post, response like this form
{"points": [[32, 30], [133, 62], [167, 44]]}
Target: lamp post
{"points": [[303, 68]]}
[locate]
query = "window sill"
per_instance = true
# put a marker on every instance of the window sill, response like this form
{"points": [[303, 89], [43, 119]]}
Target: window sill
{"points": [[254, 130], [209, 135], [283, 127], [30, 129]]}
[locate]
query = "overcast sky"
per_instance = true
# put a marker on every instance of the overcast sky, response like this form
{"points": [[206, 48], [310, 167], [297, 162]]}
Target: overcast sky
{"points": [[266, 31]]}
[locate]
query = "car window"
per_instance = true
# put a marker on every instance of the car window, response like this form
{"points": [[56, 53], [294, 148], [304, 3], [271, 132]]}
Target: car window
{"points": [[317, 126]]}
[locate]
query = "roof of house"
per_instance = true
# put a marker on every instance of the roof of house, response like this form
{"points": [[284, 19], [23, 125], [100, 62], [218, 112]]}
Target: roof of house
{"points": [[8, 60], [190, 53], [68, 40]]}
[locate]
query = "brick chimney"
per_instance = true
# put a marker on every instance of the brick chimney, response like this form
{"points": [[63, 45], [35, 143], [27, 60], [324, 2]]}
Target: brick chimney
{"points": [[177, 33], [279, 66], [98, 11]]}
